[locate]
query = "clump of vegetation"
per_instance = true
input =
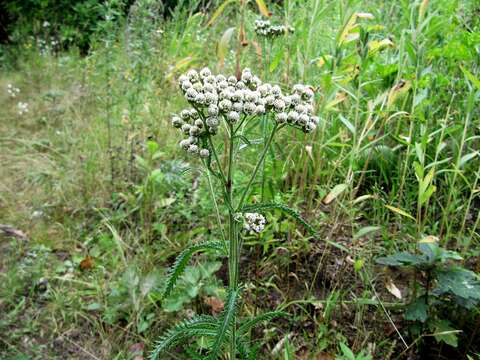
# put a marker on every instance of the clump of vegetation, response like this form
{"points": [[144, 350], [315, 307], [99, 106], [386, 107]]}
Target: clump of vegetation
{"points": [[293, 244]]}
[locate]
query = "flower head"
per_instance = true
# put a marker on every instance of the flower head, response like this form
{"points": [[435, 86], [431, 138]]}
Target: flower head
{"points": [[266, 29], [217, 97], [254, 222]]}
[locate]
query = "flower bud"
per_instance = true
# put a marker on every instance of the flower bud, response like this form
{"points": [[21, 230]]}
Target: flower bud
{"points": [[204, 153]]}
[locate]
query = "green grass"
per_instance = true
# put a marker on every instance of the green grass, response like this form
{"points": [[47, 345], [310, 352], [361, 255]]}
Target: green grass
{"points": [[78, 176]]}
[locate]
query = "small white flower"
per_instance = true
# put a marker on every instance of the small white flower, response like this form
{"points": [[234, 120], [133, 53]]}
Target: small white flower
{"points": [[177, 122], [192, 75], [185, 85], [198, 86], [185, 114], [193, 149], [260, 109], [298, 88], [194, 130], [185, 144], [204, 153], [254, 222], [249, 108], [303, 119], [212, 121], [293, 117], [279, 105], [233, 116], [212, 110], [225, 105], [281, 117], [200, 98], [186, 128], [276, 90], [22, 108], [238, 106], [205, 72]]}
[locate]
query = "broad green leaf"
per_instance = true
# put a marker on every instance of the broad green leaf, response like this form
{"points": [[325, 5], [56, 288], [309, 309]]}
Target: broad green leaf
{"points": [[348, 124], [458, 281], [445, 333], [347, 353], [400, 259], [417, 310], [427, 194]]}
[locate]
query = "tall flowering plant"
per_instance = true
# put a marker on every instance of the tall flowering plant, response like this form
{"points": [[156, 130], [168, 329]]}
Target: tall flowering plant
{"points": [[221, 104]]}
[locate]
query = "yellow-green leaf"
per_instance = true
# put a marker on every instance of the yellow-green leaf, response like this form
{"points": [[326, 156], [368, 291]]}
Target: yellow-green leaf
{"points": [[222, 47], [219, 11], [400, 212], [263, 8], [332, 195]]}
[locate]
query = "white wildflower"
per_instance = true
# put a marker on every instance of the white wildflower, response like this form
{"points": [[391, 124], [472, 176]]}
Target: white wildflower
{"points": [[254, 222]]}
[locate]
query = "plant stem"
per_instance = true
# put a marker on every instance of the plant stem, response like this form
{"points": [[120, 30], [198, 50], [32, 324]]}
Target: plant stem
{"points": [[233, 258], [259, 163]]}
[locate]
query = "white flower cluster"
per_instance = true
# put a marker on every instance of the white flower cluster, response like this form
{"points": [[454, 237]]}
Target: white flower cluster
{"points": [[12, 90], [22, 108], [216, 96], [265, 28], [254, 222]]}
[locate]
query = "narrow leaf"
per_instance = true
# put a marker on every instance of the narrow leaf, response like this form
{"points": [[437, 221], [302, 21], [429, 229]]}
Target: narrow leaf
{"points": [[263, 8], [365, 231], [219, 11], [400, 212], [222, 47], [336, 191]]}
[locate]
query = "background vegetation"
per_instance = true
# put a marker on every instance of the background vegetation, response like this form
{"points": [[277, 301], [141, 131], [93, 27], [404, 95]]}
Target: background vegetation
{"points": [[96, 197]]}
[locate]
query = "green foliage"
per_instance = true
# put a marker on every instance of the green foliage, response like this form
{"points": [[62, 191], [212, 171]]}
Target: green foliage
{"points": [[182, 260], [446, 285], [196, 281], [225, 322], [347, 354], [273, 206], [249, 324], [183, 332]]}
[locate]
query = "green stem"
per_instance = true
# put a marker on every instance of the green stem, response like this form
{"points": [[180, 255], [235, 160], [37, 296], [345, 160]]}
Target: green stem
{"points": [[259, 163], [233, 237]]}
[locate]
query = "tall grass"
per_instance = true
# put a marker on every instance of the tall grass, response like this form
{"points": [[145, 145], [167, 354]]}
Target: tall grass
{"points": [[395, 158]]}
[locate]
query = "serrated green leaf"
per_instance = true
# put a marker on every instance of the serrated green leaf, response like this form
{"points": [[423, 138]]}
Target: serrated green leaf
{"points": [[251, 323], [200, 325], [417, 310], [458, 281], [182, 260], [443, 332], [224, 323]]}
